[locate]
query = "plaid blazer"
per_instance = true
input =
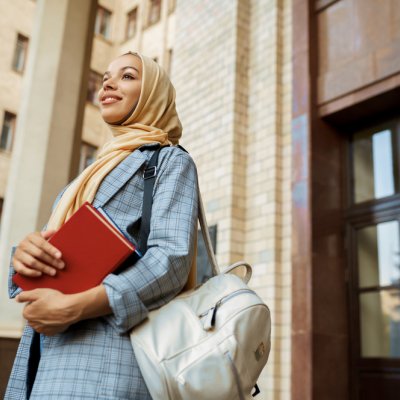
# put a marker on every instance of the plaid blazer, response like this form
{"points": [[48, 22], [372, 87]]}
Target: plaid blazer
{"points": [[93, 359]]}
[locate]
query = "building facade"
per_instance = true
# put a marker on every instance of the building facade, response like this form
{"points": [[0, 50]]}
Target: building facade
{"points": [[290, 111], [345, 268]]}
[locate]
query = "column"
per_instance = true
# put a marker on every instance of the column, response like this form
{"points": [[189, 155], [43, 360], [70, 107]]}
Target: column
{"points": [[48, 129]]}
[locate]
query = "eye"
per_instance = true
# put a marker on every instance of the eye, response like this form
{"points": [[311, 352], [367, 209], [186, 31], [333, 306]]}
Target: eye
{"points": [[127, 76]]}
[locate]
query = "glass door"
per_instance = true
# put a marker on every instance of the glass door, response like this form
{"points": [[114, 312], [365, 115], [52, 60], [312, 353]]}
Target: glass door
{"points": [[373, 227], [378, 289]]}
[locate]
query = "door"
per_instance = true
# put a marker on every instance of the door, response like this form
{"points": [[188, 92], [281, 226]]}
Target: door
{"points": [[373, 232]]}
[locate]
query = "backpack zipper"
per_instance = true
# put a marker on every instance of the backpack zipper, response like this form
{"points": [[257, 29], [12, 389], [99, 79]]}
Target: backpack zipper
{"points": [[211, 313]]}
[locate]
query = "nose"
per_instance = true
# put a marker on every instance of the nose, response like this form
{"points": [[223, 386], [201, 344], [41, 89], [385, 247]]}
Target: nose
{"points": [[109, 84]]}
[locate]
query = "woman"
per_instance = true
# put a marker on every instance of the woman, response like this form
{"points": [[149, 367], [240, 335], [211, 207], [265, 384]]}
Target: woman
{"points": [[85, 352]]}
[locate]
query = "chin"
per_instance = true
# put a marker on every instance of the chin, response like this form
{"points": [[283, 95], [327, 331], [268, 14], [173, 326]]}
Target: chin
{"points": [[111, 119]]}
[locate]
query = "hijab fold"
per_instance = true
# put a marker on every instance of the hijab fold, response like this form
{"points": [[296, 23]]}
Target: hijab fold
{"points": [[153, 120]]}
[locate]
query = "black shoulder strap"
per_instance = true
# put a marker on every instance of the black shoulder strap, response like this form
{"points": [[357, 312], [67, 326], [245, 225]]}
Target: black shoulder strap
{"points": [[149, 176]]}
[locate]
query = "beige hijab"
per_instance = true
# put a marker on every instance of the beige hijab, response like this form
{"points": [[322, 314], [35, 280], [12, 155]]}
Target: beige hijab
{"points": [[154, 120]]}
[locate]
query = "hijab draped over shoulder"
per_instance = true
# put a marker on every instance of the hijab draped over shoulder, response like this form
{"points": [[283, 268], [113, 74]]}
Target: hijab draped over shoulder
{"points": [[153, 120]]}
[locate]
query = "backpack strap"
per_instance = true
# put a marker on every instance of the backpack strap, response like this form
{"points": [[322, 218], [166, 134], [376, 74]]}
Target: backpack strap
{"points": [[149, 176]]}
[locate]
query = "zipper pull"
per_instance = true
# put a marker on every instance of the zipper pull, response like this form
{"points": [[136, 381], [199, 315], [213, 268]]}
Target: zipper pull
{"points": [[209, 321]]}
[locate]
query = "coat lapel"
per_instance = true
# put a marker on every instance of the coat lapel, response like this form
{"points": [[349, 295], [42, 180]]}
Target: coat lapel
{"points": [[118, 177]]}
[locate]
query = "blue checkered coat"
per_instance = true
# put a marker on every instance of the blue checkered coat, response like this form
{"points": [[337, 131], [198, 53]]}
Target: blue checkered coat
{"points": [[93, 359]]}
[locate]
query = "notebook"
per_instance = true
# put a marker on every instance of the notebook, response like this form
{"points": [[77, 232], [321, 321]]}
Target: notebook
{"points": [[92, 246]]}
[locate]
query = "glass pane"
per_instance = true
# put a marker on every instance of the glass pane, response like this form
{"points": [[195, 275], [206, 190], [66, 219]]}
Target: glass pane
{"points": [[380, 324], [378, 255], [373, 166]]}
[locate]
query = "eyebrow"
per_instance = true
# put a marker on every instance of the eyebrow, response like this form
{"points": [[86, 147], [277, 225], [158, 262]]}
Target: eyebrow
{"points": [[122, 69]]}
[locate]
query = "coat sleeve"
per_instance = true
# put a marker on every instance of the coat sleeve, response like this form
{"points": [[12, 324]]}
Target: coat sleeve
{"points": [[163, 271], [13, 289]]}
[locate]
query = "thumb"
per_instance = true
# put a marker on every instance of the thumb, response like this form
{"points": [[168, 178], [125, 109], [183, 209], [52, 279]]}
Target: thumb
{"points": [[27, 296], [47, 234]]}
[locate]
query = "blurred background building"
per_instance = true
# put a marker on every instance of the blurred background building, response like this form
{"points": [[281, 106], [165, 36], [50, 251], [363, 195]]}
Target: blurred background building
{"points": [[291, 112]]}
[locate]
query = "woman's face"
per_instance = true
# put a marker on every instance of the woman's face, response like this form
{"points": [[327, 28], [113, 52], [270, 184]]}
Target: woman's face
{"points": [[120, 93]]}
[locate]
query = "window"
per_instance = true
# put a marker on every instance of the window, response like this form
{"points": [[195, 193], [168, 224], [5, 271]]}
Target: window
{"points": [[94, 85], [171, 6], [103, 22], [373, 227], [168, 63], [1, 208], [20, 54], [323, 4], [154, 12], [7, 131], [375, 160], [379, 296], [131, 24], [88, 155]]}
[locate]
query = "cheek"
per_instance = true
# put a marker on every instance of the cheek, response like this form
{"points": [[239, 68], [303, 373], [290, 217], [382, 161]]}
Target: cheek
{"points": [[134, 94]]}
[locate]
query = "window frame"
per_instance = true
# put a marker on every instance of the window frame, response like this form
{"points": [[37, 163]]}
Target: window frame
{"points": [[134, 10], [394, 125], [321, 5], [100, 14], [357, 216], [168, 65], [171, 6], [97, 81], [10, 139], [24, 51], [149, 8], [1, 209], [83, 153]]}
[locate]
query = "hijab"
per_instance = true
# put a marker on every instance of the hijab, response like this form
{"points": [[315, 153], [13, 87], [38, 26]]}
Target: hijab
{"points": [[153, 120]]}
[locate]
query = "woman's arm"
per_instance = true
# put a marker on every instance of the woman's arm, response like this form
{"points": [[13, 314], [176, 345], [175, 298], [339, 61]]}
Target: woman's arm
{"points": [[124, 299], [49, 311], [163, 271]]}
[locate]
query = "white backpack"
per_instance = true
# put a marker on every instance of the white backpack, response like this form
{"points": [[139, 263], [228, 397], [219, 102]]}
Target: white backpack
{"points": [[208, 343]]}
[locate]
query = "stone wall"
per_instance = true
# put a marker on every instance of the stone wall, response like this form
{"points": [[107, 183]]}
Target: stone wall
{"points": [[233, 79]]}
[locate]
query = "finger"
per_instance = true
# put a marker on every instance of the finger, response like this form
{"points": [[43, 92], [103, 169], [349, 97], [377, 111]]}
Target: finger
{"points": [[32, 262], [45, 246], [47, 234], [27, 296], [23, 270], [27, 249], [40, 254], [37, 327]]}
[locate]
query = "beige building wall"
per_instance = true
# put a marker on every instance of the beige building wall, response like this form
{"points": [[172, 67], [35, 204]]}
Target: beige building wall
{"points": [[268, 183], [232, 71], [233, 79], [12, 23]]}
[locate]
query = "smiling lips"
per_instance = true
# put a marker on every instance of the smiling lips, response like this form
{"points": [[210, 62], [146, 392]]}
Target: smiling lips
{"points": [[110, 99]]}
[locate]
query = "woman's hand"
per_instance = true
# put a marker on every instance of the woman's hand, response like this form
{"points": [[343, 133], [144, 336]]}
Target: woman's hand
{"points": [[35, 256], [48, 311]]}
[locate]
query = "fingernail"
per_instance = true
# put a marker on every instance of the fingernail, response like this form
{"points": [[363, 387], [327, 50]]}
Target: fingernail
{"points": [[52, 272], [58, 254], [61, 265]]}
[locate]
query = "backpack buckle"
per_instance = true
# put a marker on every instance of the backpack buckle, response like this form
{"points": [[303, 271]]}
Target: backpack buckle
{"points": [[150, 172]]}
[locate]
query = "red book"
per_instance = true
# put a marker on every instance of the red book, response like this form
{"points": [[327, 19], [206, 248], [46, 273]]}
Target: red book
{"points": [[91, 247]]}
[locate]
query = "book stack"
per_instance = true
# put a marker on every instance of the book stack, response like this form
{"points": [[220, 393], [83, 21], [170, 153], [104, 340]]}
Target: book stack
{"points": [[92, 247]]}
